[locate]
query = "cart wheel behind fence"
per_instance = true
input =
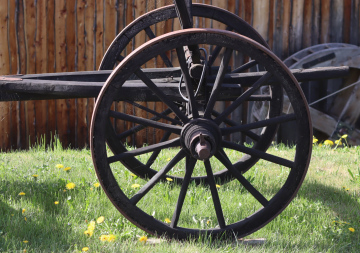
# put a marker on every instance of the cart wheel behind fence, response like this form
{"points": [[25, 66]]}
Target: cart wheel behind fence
{"points": [[199, 143], [205, 14]]}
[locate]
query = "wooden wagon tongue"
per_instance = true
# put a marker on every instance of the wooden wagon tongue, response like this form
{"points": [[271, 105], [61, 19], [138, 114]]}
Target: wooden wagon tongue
{"points": [[84, 84]]}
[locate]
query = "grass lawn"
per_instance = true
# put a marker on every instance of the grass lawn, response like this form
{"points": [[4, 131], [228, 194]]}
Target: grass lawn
{"points": [[39, 214]]}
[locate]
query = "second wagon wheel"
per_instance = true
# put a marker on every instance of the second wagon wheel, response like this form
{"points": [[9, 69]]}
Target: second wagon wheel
{"points": [[208, 15], [199, 144]]}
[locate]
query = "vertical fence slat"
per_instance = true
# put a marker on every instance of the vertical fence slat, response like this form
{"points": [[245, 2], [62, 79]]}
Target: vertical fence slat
{"points": [[325, 21], [336, 20], [306, 36], [80, 66], [41, 67], [4, 69], [296, 28], [30, 30]]}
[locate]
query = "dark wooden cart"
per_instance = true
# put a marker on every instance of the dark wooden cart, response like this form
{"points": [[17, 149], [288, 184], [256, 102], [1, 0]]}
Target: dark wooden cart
{"points": [[212, 66]]}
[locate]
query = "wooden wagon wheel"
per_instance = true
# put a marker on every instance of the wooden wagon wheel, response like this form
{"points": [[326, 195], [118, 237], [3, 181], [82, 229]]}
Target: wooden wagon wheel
{"points": [[338, 113], [116, 52], [199, 138]]}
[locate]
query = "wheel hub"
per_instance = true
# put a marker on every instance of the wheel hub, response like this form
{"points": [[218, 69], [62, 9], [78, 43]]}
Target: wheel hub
{"points": [[201, 138]]}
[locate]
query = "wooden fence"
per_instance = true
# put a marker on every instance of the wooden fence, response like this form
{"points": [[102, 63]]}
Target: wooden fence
{"points": [[38, 36]]}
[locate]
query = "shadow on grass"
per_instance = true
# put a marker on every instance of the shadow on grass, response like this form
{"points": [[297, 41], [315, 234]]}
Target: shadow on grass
{"points": [[339, 200], [46, 226]]}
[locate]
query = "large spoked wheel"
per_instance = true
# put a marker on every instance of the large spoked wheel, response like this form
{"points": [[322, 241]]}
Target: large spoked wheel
{"points": [[241, 63], [198, 143]]}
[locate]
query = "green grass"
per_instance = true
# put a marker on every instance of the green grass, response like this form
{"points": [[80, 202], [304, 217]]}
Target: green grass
{"points": [[317, 220]]}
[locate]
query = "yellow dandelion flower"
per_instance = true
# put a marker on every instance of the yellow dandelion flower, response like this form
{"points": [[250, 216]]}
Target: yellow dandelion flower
{"points": [[35, 175], [352, 230], [67, 169], [169, 179], [88, 233], [111, 238], [347, 189], [12, 214], [208, 222], [328, 143], [56, 202], [100, 219], [59, 166], [135, 186], [338, 142], [85, 249], [91, 226], [25, 241], [320, 145], [167, 220], [105, 238], [96, 185], [344, 136], [22, 193], [91, 188], [315, 140], [23, 210], [168, 160], [143, 239], [70, 186], [133, 175], [25, 218], [218, 186]]}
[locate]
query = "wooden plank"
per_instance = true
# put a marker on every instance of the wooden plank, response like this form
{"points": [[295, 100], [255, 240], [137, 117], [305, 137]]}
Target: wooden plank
{"points": [[90, 57], [41, 67], [355, 23], [30, 30], [306, 36], [13, 70], [325, 21], [316, 24], [261, 15], [70, 62], [336, 21], [4, 69], [286, 28], [272, 19], [110, 20], [50, 37], [62, 111], [22, 140], [81, 104], [347, 21], [296, 32], [99, 32]]}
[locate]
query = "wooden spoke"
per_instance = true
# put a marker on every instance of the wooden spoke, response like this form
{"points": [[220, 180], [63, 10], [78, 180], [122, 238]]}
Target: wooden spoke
{"points": [[258, 124], [145, 122], [156, 178], [138, 128], [139, 151], [245, 66], [190, 164], [216, 51], [262, 81], [230, 122], [163, 56], [155, 154], [214, 194], [160, 115], [161, 95], [222, 157], [218, 81], [259, 154]]}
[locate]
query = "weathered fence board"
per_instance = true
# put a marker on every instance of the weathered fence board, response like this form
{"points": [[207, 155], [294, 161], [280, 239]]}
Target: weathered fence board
{"points": [[51, 36]]}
